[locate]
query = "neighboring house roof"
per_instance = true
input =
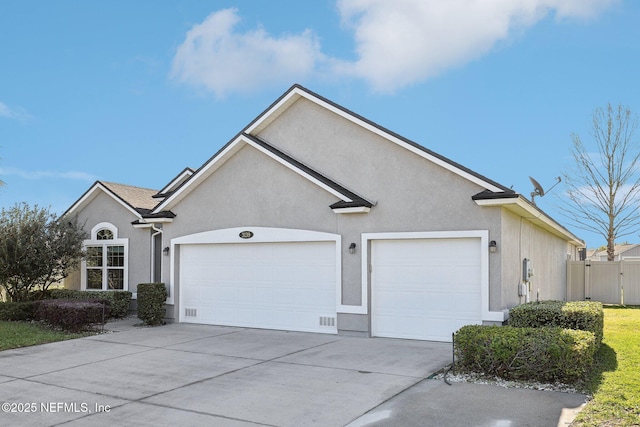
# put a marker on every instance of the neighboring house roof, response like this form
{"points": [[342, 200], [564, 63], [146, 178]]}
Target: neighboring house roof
{"points": [[618, 251]]}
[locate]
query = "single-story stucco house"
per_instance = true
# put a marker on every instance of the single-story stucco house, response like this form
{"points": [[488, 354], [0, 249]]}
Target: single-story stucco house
{"points": [[313, 218]]}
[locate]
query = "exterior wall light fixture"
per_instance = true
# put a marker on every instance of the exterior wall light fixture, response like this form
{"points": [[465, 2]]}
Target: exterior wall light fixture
{"points": [[165, 251], [493, 246], [352, 248]]}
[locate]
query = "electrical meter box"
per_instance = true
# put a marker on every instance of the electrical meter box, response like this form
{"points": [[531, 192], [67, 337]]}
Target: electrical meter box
{"points": [[527, 270]]}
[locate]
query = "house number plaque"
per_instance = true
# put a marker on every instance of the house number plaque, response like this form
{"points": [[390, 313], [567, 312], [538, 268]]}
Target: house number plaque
{"points": [[246, 234]]}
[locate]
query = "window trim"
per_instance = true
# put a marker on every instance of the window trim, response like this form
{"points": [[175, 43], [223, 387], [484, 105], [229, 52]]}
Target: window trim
{"points": [[94, 242]]}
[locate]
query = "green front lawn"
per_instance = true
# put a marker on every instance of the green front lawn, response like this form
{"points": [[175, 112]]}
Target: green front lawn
{"points": [[615, 384], [23, 334]]}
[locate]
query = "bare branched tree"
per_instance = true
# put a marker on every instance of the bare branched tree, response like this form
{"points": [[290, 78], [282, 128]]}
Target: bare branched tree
{"points": [[603, 188]]}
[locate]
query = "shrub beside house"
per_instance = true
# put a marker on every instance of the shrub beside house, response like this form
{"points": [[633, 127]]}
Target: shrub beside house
{"points": [[544, 341]]}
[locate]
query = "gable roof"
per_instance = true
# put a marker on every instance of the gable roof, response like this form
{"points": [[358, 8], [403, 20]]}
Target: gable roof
{"points": [[618, 250], [348, 198], [297, 91], [349, 201], [137, 200]]}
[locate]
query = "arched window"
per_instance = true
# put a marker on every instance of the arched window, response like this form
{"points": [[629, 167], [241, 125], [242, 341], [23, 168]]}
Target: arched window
{"points": [[104, 234], [106, 261]]}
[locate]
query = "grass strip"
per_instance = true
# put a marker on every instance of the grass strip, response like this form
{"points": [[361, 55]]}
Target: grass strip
{"points": [[615, 383], [24, 334]]}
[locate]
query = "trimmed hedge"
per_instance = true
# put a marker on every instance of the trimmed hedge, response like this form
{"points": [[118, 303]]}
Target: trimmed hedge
{"points": [[118, 300], [539, 354], [17, 311], [72, 314], [151, 301], [581, 315]]}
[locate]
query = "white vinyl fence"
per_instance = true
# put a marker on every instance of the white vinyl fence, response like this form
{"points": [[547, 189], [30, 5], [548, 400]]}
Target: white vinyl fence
{"points": [[610, 282]]}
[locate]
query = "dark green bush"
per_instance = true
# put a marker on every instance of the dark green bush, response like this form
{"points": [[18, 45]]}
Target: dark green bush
{"points": [[38, 294], [151, 301], [16, 311], [581, 315], [119, 300], [539, 354], [72, 314]]}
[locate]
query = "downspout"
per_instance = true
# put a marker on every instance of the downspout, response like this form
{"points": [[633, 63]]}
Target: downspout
{"points": [[153, 250]]}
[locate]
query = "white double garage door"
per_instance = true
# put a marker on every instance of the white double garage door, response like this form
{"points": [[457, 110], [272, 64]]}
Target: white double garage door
{"points": [[419, 288]]}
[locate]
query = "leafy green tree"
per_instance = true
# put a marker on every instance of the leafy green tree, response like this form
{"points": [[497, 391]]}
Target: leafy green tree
{"points": [[603, 188], [37, 249]]}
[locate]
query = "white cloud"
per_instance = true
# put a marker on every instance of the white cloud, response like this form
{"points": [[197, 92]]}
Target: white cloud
{"points": [[222, 60], [34, 175], [13, 113], [397, 43], [408, 41]]}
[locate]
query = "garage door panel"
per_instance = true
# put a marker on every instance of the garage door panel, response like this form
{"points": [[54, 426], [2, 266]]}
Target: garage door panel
{"points": [[264, 285], [425, 288]]}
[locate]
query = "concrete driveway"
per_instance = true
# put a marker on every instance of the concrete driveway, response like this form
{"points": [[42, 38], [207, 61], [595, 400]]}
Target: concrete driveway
{"points": [[193, 375]]}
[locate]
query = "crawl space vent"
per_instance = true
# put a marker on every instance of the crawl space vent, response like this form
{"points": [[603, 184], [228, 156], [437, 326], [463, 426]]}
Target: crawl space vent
{"points": [[327, 321]]}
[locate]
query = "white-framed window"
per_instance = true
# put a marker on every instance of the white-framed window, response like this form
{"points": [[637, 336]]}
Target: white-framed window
{"points": [[105, 266]]}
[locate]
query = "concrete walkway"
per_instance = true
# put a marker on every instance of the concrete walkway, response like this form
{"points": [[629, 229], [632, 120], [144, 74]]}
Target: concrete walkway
{"points": [[193, 375]]}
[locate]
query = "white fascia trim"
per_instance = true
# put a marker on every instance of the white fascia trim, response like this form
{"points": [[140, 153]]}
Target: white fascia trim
{"points": [[275, 111], [524, 209], [298, 171], [297, 93], [359, 209], [205, 171], [260, 235], [141, 225], [228, 152], [92, 193], [483, 235], [157, 220], [175, 181]]}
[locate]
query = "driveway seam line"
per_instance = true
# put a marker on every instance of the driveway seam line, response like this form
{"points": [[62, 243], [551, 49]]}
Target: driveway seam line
{"points": [[29, 377]]}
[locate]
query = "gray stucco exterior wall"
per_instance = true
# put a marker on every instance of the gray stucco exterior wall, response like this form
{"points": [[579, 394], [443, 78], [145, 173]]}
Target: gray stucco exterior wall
{"points": [[410, 194], [104, 208]]}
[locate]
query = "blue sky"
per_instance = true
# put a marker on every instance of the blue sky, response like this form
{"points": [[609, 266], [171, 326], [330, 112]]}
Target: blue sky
{"points": [[134, 91]]}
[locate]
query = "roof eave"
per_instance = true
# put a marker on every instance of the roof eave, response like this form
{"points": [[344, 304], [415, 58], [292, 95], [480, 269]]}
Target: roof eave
{"points": [[91, 193], [523, 208], [352, 210]]}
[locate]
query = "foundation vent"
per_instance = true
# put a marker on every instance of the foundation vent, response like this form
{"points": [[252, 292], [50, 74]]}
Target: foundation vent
{"points": [[327, 321], [190, 312]]}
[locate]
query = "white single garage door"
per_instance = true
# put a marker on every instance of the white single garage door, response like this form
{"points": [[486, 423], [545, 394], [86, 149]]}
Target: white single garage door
{"points": [[425, 289], [287, 286]]}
